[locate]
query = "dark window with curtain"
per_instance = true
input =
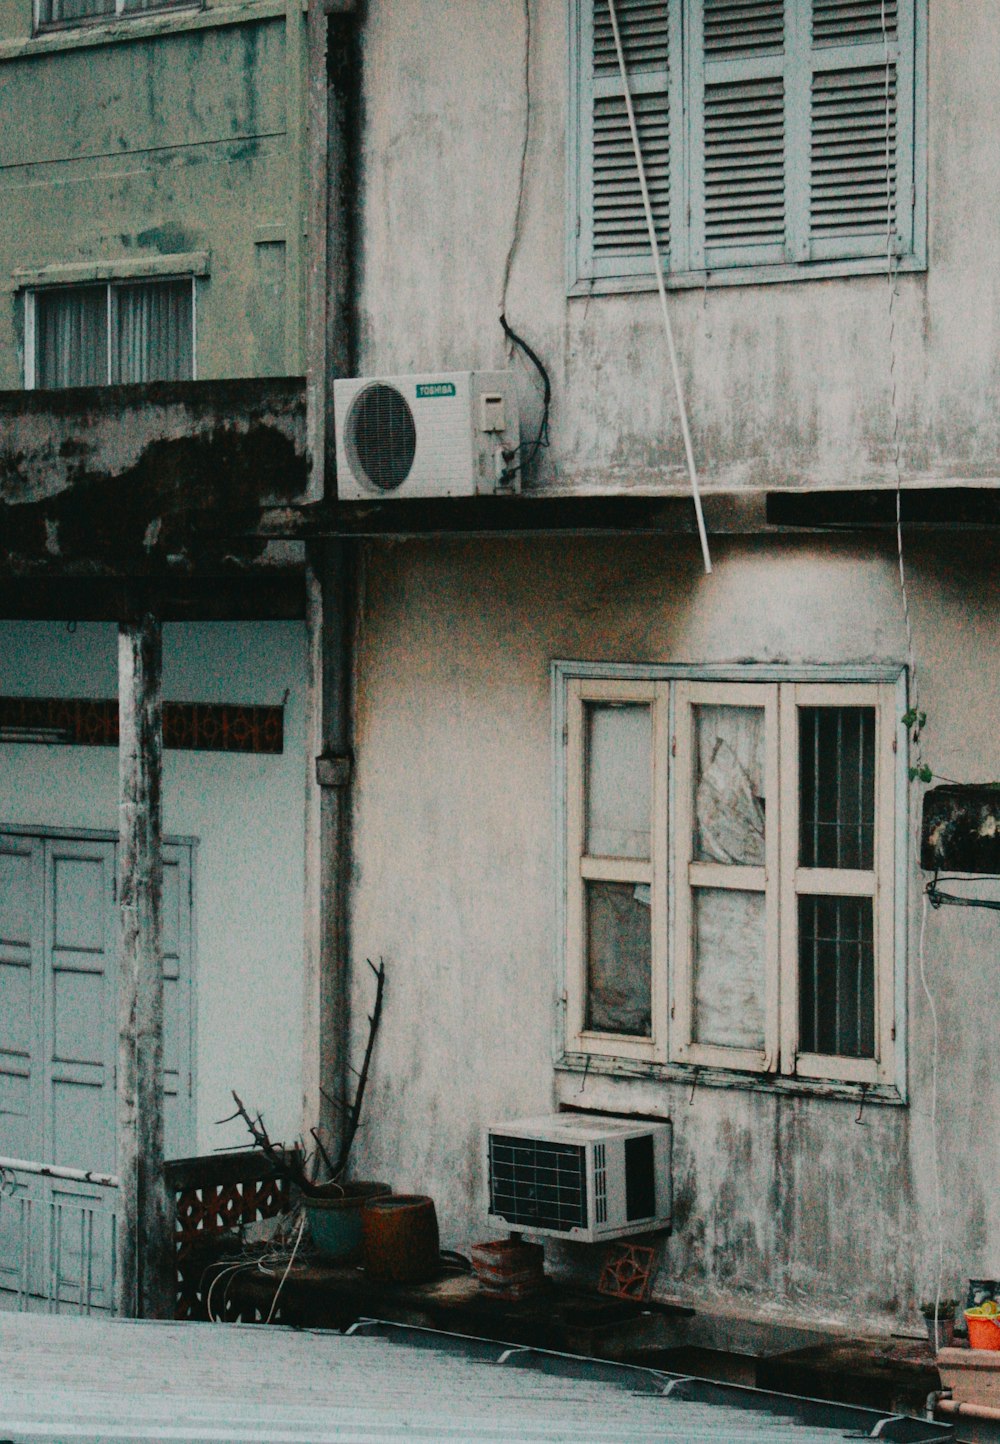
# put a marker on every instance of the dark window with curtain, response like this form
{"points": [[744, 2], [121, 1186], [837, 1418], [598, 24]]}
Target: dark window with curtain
{"points": [[114, 333]]}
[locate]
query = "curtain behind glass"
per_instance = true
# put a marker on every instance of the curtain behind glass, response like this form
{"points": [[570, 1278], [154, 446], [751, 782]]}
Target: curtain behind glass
{"points": [[66, 12], [71, 337], [152, 332]]}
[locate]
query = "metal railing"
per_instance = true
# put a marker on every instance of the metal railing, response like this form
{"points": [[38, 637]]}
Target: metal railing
{"points": [[57, 1250]]}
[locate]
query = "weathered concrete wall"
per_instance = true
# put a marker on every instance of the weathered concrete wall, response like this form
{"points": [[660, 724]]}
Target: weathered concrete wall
{"points": [[247, 813], [138, 478], [787, 1204], [148, 145], [787, 384]]}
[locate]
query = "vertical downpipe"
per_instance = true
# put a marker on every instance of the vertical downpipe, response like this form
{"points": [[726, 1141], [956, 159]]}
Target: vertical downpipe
{"points": [[335, 89]]}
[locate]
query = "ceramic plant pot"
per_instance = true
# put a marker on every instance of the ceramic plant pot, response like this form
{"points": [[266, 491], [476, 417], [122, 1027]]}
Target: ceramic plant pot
{"points": [[335, 1217], [400, 1237], [945, 1330]]}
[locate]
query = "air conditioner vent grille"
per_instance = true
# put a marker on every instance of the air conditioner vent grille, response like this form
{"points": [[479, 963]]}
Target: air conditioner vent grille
{"points": [[535, 1182], [600, 1184], [381, 436]]}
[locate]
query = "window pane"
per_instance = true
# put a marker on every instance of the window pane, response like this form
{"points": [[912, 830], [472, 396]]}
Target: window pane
{"points": [[152, 332], [619, 959], [619, 779], [837, 787], [729, 782], [728, 968], [65, 12], [71, 338], [836, 976]]}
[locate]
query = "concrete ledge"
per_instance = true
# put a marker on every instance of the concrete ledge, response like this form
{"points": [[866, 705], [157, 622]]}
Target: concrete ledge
{"points": [[135, 478], [973, 1375]]}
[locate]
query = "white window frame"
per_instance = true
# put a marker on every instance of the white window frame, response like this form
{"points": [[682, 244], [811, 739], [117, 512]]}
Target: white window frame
{"points": [[671, 1052], [878, 883], [691, 874], [582, 868], [110, 285], [122, 11], [685, 264]]}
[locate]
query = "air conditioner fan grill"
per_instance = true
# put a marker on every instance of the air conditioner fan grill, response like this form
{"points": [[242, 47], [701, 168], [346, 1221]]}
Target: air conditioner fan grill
{"points": [[381, 436]]}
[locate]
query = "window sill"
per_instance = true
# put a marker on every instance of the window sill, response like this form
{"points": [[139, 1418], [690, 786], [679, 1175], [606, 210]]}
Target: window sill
{"points": [[171, 20], [689, 1077], [744, 276], [180, 264]]}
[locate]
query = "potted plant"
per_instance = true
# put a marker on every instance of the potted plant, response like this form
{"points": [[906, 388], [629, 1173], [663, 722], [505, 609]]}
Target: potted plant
{"points": [[939, 1321], [332, 1206]]}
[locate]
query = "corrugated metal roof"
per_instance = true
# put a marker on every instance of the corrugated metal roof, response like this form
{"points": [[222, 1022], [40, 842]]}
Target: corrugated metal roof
{"points": [[66, 1379]]}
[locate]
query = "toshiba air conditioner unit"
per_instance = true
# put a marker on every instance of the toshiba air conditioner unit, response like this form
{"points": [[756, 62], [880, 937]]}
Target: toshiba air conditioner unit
{"points": [[422, 436], [580, 1176]]}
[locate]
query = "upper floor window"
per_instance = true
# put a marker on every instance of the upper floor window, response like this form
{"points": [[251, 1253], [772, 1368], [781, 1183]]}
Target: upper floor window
{"points": [[730, 876], [82, 12], [780, 138], [110, 333]]}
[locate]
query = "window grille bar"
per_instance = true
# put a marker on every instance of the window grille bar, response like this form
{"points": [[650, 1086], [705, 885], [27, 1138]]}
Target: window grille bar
{"points": [[838, 953], [815, 786], [839, 784], [108, 329], [858, 980]]}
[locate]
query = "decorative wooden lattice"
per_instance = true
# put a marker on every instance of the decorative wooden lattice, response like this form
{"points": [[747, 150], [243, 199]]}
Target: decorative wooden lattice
{"points": [[187, 726], [215, 1198]]}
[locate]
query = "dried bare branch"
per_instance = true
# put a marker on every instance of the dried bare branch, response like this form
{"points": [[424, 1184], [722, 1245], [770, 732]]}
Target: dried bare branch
{"points": [[295, 1165], [354, 1110], [287, 1164]]}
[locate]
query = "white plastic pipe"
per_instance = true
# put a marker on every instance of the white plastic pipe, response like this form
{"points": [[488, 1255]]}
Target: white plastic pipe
{"points": [[654, 247], [52, 1170]]}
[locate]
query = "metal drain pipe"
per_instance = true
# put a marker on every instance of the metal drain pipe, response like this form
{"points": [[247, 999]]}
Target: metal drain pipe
{"points": [[334, 126]]}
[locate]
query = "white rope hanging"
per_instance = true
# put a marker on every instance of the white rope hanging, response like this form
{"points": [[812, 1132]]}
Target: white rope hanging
{"points": [[658, 272]]}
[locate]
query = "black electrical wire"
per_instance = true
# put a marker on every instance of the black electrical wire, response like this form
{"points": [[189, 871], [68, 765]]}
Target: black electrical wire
{"points": [[937, 898], [529, 450]]}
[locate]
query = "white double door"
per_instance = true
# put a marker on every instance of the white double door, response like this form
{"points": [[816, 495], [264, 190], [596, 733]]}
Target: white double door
{"points": [[58, 1047]]}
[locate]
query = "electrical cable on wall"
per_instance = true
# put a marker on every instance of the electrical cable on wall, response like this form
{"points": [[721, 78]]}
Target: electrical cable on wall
{"points": [[938, 899], [890, 274], [934, 1120], [528, 451], [654, 247], [516, 234]]}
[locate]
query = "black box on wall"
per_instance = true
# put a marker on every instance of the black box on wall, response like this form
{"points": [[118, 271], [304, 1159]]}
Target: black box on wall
{"points": [[960, 831]]}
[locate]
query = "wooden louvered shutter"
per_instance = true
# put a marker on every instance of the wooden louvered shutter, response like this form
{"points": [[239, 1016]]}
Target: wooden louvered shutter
{"points": [[613, 239], [739, 132], [853, 204]]}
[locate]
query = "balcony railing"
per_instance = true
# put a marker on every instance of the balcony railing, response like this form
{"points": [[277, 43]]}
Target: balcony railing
{"points": [[58, 1230]]}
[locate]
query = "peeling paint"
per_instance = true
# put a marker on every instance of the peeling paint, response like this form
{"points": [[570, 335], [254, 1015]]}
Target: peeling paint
{"points": [[129, 478]]}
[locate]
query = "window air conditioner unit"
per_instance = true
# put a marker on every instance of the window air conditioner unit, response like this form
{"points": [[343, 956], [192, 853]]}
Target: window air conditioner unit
{"points": [[580, 1176], [427, 435]]}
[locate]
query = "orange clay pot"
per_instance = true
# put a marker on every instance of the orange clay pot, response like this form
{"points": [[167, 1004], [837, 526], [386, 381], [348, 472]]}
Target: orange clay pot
{"points": [[399, 1239]]}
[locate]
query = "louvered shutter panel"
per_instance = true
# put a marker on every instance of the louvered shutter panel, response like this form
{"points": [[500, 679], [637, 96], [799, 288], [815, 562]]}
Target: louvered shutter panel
{"points": [[861, 128], [613, 236], [739, 119]]}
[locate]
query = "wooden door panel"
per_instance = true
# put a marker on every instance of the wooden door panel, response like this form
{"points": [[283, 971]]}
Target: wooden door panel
{"points": [[58, 1041], [80, 1030], [21, 882]]}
